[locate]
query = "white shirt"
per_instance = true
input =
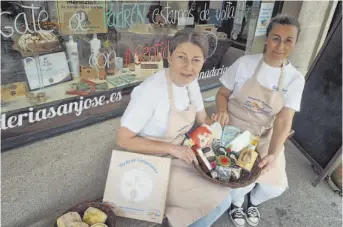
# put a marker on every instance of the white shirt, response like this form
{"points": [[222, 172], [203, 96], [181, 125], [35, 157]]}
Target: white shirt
{"points": [[268, 76], [148, 110]]}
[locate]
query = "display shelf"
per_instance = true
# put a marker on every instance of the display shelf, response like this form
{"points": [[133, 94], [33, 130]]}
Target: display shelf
{"points": [[57, 93]]}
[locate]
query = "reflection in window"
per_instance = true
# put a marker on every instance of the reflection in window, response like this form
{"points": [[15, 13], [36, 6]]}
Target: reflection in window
{"points": [[54, 50]]}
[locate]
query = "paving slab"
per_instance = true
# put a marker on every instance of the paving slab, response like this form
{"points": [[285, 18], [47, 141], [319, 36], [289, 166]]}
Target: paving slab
{"points": [[302, 204]]}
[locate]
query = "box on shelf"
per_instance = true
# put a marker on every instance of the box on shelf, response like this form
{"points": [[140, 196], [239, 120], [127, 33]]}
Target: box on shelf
{"points": [[13, 90], [144, 69]]}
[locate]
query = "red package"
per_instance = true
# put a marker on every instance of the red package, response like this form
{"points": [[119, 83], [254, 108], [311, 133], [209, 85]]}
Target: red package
{"points": [[202, 137]]}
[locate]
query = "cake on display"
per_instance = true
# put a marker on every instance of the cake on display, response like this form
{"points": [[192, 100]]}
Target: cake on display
{"points": [[146, 65]]}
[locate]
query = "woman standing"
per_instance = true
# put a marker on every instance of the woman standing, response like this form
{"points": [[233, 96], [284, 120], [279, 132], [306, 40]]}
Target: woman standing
{"points": [[261, 93], [161, 111]]}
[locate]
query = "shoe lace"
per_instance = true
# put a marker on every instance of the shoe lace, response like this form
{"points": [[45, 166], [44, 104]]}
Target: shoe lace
{"points": [[253, 212], [238, 212]]}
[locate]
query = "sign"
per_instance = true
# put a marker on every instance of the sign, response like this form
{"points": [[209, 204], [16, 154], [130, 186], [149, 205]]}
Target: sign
{"points": [[137, 185], [81, 17], [264, 17], [42, 71]]}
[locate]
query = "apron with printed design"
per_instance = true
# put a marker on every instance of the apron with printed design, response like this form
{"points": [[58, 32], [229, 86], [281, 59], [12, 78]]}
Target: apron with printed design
{"points": [[254, 108], [190, 196]]}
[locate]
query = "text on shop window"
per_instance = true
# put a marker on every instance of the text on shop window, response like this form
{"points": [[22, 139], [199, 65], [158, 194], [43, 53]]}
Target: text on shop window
{"points": [[48, 113], [125, 15], [42, 16]]}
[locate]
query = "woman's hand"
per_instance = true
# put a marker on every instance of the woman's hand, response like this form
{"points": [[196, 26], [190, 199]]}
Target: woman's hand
{"points": [[184, 153], [221, 117], [267, 162]]}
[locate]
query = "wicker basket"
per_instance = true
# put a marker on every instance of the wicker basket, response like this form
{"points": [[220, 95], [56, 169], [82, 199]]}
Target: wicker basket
{"points": [[245, 179], [82, 207]]}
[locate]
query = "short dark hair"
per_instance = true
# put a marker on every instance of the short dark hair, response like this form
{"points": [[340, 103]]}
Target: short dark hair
{"points": [[284, 20], [189, 35]]}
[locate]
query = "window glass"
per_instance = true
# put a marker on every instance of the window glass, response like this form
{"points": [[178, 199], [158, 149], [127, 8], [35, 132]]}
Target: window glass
{"points": [[66, 64]]}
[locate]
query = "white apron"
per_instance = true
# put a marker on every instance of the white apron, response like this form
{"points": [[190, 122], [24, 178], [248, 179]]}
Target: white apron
{"points": [[190, 196], [254, 108]]}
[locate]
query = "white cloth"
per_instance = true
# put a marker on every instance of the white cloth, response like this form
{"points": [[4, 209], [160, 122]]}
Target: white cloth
{"points": [[258, 195], [243, 68], [147, 112]]}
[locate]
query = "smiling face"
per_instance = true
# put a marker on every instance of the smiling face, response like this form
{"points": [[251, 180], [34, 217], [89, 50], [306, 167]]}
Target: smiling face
{"points": [[281, 41], [185, 63]]}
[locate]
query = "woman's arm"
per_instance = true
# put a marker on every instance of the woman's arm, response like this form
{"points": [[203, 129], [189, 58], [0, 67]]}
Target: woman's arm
{"points": [[203, 118], [129, 140], [222, 99], [281, 129]]}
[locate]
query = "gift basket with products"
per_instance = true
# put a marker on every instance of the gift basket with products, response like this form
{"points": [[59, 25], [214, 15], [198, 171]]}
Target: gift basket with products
{"points": [[226, 156]]}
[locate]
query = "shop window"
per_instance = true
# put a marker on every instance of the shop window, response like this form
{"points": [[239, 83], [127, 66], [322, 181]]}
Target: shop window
{"points": [[67, 64]]}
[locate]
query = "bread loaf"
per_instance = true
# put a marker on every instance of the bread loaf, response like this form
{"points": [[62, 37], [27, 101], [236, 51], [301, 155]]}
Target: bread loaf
{"points": [[67, 218]]}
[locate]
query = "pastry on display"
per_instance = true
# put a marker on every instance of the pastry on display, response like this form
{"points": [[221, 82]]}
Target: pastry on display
{"points": [[49, 25], [35, 98], [38, 42]]}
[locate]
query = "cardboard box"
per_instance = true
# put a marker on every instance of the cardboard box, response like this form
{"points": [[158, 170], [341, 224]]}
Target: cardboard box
{"points": [[13, 90], [137, 185]]}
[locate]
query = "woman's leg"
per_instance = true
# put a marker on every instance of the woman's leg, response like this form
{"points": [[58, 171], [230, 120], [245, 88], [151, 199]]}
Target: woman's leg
{"points": [[264, 192], [260, 194], [236, 211], [208, 220], [238, 194]]}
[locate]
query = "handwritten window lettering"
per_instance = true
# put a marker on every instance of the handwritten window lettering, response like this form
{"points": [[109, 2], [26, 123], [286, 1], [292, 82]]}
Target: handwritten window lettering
{"points": [[131, 54], [146, 53], [212, 73], [127, 15], [228, 13], [102, 60], [42, 16], [170, 16], [78, 21]]}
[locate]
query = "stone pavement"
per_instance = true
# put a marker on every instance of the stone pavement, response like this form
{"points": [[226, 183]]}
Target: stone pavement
{"points": [[301, 205], [43, 179]]}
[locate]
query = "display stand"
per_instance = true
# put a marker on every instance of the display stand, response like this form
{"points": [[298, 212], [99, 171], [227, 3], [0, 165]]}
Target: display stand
{"points": [[318, 124], [40, 76], [329, 168]]}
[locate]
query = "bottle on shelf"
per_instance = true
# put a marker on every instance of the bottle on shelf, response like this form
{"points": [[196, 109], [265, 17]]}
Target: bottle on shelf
{"points": [[73, 57], [95, 45]]}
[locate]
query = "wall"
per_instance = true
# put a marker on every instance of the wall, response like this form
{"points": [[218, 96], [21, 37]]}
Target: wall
{"points": [[314, 18]]}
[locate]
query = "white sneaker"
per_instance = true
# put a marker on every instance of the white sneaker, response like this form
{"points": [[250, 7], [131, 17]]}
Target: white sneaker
{"points": [[237, 216], [253, 216]]}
